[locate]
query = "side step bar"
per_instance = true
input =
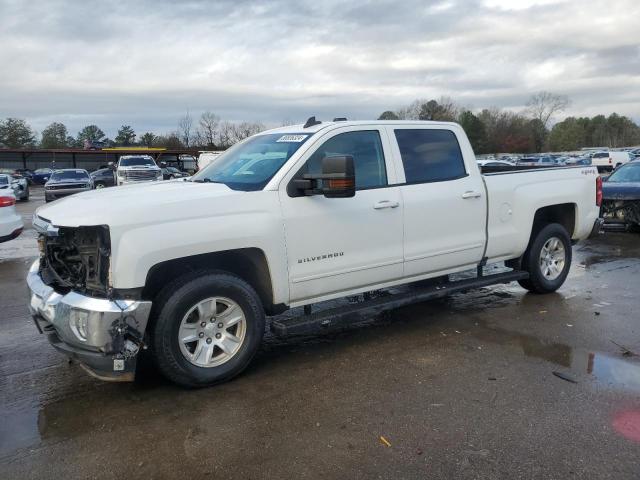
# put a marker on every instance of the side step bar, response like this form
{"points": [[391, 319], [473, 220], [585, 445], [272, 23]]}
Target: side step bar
{"points": [[350, 314]]}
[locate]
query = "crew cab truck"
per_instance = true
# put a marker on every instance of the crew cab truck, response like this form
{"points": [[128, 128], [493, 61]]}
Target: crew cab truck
{"points": [[136, 169], [287, 218]]}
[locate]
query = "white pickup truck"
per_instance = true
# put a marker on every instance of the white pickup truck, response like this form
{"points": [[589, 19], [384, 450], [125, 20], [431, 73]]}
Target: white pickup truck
{"points": [[293, 216], [137, 169]]}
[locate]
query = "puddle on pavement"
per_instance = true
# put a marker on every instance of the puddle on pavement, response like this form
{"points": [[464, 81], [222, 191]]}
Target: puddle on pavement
{"points": [[612, 372]]}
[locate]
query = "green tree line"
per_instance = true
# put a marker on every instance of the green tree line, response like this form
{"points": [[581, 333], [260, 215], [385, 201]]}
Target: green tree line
{"points": [[207, 131], [493, 130]]}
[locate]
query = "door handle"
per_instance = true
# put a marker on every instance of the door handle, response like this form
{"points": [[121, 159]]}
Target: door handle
{"points": [[471, 194], [385, 204]]}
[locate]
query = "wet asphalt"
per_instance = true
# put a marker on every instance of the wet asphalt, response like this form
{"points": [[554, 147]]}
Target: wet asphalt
{"points": [[495, 383]]}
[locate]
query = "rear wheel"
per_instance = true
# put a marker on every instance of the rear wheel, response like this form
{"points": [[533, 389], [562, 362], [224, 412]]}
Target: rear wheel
{"points": [[547, 259], [100, 185], [208, 328]]}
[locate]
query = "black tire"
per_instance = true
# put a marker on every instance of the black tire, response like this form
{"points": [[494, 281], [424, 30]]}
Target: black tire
{"points": [[537, 282], [99, 185], [171, 305]]}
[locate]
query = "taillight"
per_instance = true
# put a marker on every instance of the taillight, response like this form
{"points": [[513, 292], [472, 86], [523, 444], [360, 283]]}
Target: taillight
{"points": [[610, 161], [598, 191], [7, 201]]}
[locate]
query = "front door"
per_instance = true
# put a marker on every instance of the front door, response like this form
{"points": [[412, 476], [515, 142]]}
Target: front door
{"points": [[336, 245]]}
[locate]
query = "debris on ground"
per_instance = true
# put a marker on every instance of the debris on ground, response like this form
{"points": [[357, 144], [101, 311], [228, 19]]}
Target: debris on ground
{"points": [[626, 352], [565, 377], [385, 441]]}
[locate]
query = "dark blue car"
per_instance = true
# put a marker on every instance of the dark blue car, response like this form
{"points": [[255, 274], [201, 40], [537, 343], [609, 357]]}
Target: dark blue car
{"points": [[41, 176], [621, 196]]}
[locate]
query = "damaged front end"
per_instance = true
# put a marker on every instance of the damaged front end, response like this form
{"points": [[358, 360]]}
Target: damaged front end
{"points": [[623, 212], [73, 303]]}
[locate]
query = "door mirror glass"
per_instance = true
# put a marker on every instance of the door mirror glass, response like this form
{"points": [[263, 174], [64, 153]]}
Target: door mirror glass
{"points": [[339, 178]]}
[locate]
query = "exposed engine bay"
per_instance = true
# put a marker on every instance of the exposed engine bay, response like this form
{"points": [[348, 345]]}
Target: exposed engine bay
{"points": [[76, 259], [621, 211]]}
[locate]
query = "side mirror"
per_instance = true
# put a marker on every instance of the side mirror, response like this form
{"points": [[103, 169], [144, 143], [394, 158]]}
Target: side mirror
{"points": [[337, 180], [339, 177]]}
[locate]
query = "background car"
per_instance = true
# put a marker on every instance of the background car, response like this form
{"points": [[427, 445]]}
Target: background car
{"points": [[67, 182], [621, 196], [169, 173], [495, 163], [10, 222], [26, 173], [542, 161], [104, 177], [41, 176], [93, 145], [18, 185], [584, 160]]}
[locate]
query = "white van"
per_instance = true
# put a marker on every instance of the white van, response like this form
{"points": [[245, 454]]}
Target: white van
{"points": [[610, 160], [205, 158]]}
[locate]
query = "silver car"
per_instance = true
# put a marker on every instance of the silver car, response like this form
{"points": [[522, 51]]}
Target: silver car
{"points": [[67, 182], [18, 185]]}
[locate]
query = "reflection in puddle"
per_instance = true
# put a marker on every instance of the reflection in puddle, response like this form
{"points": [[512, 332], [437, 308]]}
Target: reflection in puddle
{"points": [[613, 372]]}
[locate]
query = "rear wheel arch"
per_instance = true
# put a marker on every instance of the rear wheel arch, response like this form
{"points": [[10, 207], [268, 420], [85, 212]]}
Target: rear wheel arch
{"points": [[562, 213], [250, 264]]}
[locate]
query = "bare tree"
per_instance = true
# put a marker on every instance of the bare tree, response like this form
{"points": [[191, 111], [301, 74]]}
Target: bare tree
{"points": [[209, 122], [225, 134], [245, 130], [185, 129], [544, 105]]}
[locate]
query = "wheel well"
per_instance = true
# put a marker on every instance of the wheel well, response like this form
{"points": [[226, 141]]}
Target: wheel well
{"points": [[250, 264], [563, 213]]}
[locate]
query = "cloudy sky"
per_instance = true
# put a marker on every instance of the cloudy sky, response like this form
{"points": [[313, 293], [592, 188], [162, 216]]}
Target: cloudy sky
{"points": [[145, 63]]}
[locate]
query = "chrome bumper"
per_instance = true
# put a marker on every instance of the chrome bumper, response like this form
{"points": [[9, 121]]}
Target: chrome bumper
{"points": [[104, 335]]}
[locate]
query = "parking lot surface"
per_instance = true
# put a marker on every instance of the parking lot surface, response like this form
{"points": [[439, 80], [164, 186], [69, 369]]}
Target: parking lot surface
{"points": [[495, 383]]}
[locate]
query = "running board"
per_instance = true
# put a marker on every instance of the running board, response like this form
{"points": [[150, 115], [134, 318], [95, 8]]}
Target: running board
{"points": [[351, 314]]}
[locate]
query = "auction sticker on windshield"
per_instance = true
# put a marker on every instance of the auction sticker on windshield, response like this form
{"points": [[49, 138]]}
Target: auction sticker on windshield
{"points": [[292, 138]]}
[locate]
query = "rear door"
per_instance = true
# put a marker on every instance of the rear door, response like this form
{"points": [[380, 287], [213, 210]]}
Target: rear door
{"points": [[336, 245], [444, 203]]}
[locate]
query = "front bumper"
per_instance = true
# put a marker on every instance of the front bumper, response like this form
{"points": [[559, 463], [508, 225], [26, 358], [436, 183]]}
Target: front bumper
{"points": [[104, 335], [63, 192], [132, 182]]}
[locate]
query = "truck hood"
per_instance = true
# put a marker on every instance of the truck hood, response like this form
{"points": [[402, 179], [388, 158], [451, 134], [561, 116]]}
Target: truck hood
{"points": [[140, 204], [621, 191]]}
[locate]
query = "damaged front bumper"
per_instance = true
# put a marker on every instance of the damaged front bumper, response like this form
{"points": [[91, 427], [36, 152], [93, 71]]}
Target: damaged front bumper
{"points": [[105, 336]]}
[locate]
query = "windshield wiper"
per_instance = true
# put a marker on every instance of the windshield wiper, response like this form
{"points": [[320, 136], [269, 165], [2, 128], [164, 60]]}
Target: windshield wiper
{"points": [[206, 180]]}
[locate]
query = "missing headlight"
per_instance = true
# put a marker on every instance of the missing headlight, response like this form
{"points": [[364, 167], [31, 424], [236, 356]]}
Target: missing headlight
{"points": [[77, 259]]}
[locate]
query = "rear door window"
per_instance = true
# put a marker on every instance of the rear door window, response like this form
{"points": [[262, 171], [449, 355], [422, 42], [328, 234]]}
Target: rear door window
{"points": [[430, 155]]}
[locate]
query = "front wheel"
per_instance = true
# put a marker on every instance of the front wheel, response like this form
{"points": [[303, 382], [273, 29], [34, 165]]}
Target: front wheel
{"points": [[547, 259], [208, 327]]}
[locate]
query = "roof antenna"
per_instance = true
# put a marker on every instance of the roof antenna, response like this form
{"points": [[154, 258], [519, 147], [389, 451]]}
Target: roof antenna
{"points": [[311, 122]]}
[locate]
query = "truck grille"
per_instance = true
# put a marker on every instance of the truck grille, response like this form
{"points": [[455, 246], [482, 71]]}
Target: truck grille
{"points": [[140, 175]]}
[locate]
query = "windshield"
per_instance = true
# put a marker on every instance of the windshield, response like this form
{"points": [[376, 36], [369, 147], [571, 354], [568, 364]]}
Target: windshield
{"points": [[173, 169], [137, 162], [43, 170], [248, 166], [70, 175], [4, 180], [628, 173]]}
